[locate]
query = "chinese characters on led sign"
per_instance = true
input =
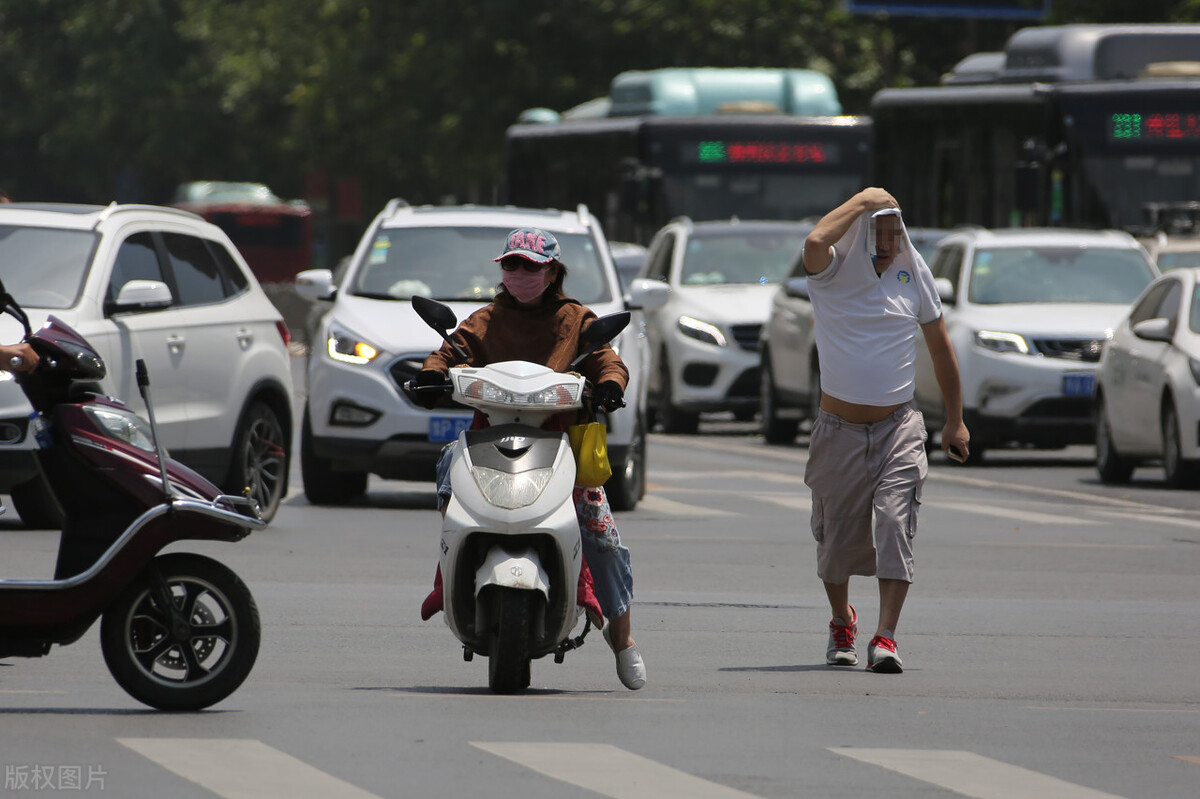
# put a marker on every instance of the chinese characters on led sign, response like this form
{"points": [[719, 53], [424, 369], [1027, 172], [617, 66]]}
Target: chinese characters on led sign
{"points": [[763, 152], [1155, 127]]}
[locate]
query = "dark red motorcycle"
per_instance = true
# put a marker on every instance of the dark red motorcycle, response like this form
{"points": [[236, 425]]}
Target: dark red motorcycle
{"points": [[179, 631]]}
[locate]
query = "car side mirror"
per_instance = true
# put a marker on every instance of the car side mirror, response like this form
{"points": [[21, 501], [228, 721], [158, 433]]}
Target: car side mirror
{"points": [[945, 290], [796, 287], [315, 284], [647, 294], [1158, 329], [141, 295]]}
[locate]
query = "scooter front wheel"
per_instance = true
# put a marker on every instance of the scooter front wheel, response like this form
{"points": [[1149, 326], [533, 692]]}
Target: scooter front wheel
{"points": [[195, 659], [508, 660]]}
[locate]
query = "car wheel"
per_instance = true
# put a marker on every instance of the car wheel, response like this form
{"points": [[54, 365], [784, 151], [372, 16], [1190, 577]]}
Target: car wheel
{"points": [[1179, 473], [260, 460], [671, 418], [1109, 464], [322, 484], [627, 486], [774, 429], [36, 505]]}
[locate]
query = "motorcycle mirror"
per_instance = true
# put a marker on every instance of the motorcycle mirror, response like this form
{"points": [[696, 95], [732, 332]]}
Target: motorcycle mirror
{"points": [[600, 332], [439, 317]]}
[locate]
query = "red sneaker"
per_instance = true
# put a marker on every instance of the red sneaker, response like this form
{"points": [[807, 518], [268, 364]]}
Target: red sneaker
{"points": [[882, 657], [840, 651]]}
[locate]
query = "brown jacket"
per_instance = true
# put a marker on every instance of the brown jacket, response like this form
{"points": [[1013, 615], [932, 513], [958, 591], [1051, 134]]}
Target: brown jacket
{"points": [[547, 334]]}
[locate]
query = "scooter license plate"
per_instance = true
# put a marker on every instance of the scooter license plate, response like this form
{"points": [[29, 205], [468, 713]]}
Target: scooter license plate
{"points": [[447, 428], [1079, 384]]}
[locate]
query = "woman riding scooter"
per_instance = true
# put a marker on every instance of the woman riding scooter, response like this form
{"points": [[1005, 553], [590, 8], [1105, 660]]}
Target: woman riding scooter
{"points": [[531, 319]]}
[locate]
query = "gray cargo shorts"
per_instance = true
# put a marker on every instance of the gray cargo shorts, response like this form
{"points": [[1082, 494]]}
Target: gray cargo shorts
{"points": [[857, 471]]}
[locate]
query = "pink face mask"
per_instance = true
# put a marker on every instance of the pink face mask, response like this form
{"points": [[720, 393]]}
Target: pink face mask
{"points": [[525, 286]]}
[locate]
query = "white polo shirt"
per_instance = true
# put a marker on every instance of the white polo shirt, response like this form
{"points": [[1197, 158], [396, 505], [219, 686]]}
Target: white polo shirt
{"points": [[866, 326]]}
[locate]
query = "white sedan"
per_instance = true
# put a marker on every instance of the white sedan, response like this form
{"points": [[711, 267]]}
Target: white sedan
{"points": [[1148, 386]]}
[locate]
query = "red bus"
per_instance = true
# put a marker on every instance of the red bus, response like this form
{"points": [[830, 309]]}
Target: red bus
{"points": [[274, 236]]}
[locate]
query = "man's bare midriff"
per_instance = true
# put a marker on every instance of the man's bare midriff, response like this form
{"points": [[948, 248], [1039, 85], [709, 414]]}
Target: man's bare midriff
{"points": [[853, 412]]}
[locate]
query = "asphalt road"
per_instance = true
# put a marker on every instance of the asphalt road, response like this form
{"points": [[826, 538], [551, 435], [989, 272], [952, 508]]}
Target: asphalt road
{"points": [[1050, 646]]}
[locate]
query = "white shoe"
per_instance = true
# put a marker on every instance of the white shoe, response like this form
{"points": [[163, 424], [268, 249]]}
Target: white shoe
{"points": [[630, 667]]}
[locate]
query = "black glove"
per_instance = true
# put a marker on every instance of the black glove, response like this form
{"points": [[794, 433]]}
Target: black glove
{"points": [[608, 396], [430, 387]]}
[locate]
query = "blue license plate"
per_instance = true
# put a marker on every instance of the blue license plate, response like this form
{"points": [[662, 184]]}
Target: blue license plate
{"points": [[447, 428], [1079, 384]]}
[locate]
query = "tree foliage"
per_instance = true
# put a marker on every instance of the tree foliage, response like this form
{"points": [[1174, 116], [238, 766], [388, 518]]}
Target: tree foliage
{"points": [[122, 99]]}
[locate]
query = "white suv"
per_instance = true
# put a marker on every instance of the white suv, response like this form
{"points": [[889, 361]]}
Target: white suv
{"points": [[163, 285], [1028, 312], [358, 421]]}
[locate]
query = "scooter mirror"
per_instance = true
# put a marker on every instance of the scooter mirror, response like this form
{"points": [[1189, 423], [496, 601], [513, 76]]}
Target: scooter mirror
{"points": [[434, 314], [604, 329]]}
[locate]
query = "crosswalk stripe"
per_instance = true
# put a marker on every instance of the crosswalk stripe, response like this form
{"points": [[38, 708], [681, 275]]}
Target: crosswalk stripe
{"points": [[657, 504], [1016, 514], [971, 774], [234, 768], [610, 771]]}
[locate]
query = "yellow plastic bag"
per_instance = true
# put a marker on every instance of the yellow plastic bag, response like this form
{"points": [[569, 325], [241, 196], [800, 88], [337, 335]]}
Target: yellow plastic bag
{"points": [[589, 442]]}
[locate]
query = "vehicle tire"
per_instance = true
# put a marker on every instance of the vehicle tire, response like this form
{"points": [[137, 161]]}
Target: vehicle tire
{"points": [[322, 484], [36, 505], [192, 668], [1179, 473], [774, 429], [508, 655], [260, 460], [674, 420], [1109, 464], [627, 486]]}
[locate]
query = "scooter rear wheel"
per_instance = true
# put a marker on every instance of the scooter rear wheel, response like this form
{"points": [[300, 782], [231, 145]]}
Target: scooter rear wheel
{"points": [[508, 660], [194, 667]]}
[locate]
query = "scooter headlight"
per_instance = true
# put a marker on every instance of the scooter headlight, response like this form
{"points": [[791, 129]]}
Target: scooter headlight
{"points": [[511, 491], [471, 387], [123, 426]]}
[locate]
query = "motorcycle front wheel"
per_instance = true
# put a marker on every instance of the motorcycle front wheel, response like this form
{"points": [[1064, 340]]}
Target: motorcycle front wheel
{"points": [[508, 658], [189, 666]]}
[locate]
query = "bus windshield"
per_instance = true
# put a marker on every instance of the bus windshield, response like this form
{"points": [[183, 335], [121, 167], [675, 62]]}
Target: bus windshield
{"points": [[454, 264]]}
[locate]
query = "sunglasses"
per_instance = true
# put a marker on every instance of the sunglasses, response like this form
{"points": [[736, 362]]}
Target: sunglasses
{"points": [[513, 264]]}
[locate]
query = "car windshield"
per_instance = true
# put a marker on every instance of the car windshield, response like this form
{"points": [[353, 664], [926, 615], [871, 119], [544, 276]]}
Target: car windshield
{"points": [[455, 264], [1057, 274], [45, 267], [1178, 259], [753, 256]]}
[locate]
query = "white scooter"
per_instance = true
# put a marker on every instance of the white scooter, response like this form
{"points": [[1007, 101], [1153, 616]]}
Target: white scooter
{"points": [[510, 548]]}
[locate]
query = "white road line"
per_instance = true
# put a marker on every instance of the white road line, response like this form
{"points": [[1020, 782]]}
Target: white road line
{"points": [[234, 768], [1033, 517], [656, 504], [1142, 518], [610, 771], [972, 775]]}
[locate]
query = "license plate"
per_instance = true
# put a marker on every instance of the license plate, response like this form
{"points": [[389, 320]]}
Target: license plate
{"points": [[1079, 384], [447, 428]]}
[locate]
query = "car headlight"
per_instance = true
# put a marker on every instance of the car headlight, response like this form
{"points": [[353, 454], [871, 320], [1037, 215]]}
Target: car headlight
{"points": [[349, 348], [559, 394], [511, 491], [122, 425], [1002, 342], [701, 331]]}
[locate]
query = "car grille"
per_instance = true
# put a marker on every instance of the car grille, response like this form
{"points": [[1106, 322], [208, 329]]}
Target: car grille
{"points": [[1086, 350], [406, 368], [746, 335]]}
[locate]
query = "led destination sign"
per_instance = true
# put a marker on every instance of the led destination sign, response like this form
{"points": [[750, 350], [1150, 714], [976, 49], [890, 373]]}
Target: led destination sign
{"points": [[761, 152], [1155, 127]]}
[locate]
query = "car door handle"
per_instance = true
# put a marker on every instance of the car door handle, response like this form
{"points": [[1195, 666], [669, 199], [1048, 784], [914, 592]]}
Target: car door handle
{"points": [[175, 344], [245, 337]]}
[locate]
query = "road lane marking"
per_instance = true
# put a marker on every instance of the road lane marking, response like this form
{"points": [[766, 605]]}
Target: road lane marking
{"points": [[242, 768], [972, 775], [1030, 516], [1159, 518], [656, 504], [610, 771], [1115, 709]]}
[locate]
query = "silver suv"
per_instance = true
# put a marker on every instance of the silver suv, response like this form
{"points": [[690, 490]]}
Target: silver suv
{"points": [[163, 285], [358, 422]]}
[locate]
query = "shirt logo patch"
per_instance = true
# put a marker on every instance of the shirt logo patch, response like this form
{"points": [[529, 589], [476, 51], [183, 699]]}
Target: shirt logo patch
{"points": [[903, 276]]}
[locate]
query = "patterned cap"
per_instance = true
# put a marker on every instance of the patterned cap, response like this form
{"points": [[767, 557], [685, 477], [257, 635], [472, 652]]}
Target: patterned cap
{"points": [[531, 244]]}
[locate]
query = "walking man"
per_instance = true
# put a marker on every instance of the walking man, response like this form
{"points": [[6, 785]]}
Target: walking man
{"points": [[871, 293]]}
